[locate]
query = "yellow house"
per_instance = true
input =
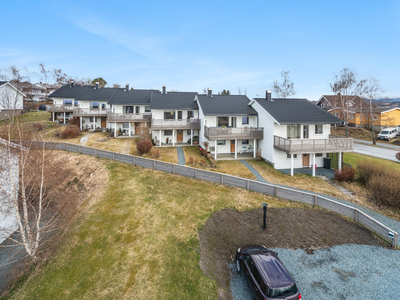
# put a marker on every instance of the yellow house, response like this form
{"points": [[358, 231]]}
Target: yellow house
{"points": [[382, 118]]}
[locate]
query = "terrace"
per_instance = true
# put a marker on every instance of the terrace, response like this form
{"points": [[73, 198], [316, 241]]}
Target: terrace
{"points": [[231, 133]]}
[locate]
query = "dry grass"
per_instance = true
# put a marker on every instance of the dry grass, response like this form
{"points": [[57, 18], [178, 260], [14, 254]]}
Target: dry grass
{"points": [[300, 181], [194, 152], [102, 140], [233, 167]]}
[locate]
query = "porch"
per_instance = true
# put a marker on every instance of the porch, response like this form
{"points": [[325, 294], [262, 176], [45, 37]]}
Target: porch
{"points": [[329, 173], [231, 133]]}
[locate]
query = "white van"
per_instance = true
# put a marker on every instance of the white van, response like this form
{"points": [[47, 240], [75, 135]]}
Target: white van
{"points": [[387, 134], [398, 129]]}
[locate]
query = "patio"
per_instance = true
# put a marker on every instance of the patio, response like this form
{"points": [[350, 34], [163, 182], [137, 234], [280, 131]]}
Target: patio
{"points": [[308, 171]]}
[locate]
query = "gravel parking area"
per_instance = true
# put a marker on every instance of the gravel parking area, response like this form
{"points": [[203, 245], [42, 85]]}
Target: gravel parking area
{"points": [[341, 272]]}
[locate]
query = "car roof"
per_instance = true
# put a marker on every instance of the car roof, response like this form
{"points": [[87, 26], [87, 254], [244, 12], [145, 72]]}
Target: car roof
{"points": [[272, 270]]}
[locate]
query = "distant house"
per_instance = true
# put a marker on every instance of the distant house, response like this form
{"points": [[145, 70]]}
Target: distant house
{"points": [[297, 133], [340, 105], [11, 100], [382, 117], [8, 187]]}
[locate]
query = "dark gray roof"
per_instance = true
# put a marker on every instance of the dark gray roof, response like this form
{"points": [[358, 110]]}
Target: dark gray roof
{"points": [[132, 97], [2, 82], [297, 111], [174, 100], [93, 94], [226, 105], [68, 91]]}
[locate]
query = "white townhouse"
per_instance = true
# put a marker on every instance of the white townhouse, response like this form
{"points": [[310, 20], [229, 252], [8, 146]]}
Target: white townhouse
{"points": [[129, 108], [11, 100], [175, 117], [297, 133], [229, 124]]}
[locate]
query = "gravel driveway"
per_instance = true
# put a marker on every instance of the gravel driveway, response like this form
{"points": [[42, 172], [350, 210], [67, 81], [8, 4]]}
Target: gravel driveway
{"points": [[341, 272]]}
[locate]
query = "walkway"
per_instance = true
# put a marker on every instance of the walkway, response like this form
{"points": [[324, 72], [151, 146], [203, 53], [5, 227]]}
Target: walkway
{"points": [[85, 138], [254, 171], [181, 156]]}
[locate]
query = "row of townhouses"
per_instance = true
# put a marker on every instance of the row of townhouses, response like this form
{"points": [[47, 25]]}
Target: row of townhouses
{"points": [[288, 133]]}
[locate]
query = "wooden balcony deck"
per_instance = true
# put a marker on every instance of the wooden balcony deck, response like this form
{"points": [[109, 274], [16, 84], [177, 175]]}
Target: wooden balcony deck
{"points": [[121, 117], [331, 145], [91, 112], [61, 108], [232, 133]]}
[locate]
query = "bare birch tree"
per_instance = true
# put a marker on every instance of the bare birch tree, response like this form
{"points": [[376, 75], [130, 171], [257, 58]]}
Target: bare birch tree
{"points": [[347, 90], [372, 91], [284, 89], [35, 180]]}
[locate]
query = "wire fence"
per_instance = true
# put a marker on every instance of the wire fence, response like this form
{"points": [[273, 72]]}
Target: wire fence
{"points": [[265, 188]]}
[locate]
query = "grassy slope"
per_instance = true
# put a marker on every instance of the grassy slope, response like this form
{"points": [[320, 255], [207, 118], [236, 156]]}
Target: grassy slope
{"points": [[140, 240]]}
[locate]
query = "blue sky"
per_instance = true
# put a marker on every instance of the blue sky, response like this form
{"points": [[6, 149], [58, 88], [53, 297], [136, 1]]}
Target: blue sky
{"points": [[189, 45]]}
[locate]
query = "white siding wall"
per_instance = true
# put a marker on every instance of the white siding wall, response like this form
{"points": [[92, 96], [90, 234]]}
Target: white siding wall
{"points": [[10, 98]]}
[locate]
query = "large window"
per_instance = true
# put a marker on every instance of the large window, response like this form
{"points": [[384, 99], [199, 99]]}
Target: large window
{"points": [[318, 129], [245, 142], [294, 156], [167, 132], [221, 142], [169, 115], [293, 131], [245, 120], [127, 109], [190, 114], [94, 105], [223, 121], [67, 102], [91, 119], [147, 108]]}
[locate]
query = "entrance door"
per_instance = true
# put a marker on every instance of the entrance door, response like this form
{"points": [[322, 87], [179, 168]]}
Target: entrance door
{"points": [[103, 122], [305, 131], [306, 160], [179, 136], [232, 146]]}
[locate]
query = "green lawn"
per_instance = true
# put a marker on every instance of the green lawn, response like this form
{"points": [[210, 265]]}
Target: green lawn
{"points": [[140, 240], [354, 159]]}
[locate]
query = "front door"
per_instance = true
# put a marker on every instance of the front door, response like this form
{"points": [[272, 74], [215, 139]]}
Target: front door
{"points": [[232, 146], [306, 160], [137, 128], [103, 122], [179, 136]]}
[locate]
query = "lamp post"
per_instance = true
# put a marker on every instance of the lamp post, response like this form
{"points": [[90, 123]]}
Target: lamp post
{"points": [[265, 206]]}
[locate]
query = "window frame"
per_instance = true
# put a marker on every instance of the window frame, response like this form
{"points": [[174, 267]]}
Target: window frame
{"points": [[166, 133], [317, 126]]}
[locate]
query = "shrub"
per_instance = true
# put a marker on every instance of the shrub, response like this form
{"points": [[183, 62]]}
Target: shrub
{"points": [[196, 161], [195, 139], [155, 153], [203, 152], [70, 132], [74, 121], [398, 155], [366, 169], [345, 174], [385, 190], [38, 126], [206, 145], [191, 160], [144, 146]]}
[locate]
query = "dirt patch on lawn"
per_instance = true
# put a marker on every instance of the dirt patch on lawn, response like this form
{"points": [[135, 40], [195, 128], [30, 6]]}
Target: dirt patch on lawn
{"points": [[309, 229]]}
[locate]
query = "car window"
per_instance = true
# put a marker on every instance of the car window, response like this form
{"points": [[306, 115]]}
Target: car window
{"points": [[282, 292]]}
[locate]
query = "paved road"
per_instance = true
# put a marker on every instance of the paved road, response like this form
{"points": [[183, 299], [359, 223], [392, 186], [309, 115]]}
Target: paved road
{"points": [[376, 151]]}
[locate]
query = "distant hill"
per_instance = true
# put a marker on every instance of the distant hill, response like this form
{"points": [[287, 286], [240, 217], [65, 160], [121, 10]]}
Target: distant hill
{"points": [[388, 102]]}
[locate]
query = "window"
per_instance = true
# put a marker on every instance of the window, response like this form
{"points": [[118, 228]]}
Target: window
{"points": [[94, 105], [103, 106], [137, 109], [318, 154], [318, 129], [76, 103], [179, 114], [91, 119], [223, 121], [167, 132], [294, 155], [245, 142], [169, 115], [293, 131], [351, 116], [375, 117], [221, 142], [125, 125], [127, 109], [147, 108], [67, 114], [189, 132], [190, 114], [245, 120], [67, 102]]}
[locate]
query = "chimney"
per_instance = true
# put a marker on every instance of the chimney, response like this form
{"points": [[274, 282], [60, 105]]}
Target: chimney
{"points": [[97, 85], [268, 95], [72, 83], [127, 87], [209, 94], [164, 89]]}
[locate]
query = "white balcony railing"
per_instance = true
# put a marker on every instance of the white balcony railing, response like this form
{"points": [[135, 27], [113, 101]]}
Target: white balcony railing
{"points": [[331, 145], [231, 133], [88, 112], [124, 117], [60, 108], [168, 124]]}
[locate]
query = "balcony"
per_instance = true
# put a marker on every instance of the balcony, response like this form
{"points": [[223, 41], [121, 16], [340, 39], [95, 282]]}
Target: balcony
{"points": [[60, 108], [169, 124], [331, 145], [232, 133], [89, 112], [115, 117]]}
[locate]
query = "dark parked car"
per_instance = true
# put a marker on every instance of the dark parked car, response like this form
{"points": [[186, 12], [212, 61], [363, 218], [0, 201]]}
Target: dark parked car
{"points": [[265, 273]]}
